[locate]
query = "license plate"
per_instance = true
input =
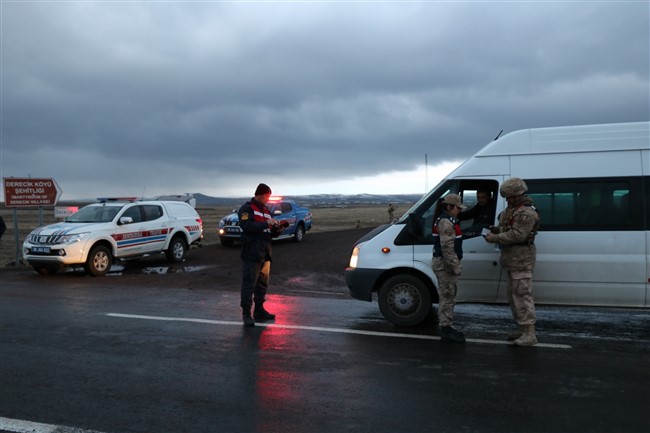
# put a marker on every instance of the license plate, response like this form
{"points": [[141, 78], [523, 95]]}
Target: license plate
{"points": [[40, 250], [233, 229]]}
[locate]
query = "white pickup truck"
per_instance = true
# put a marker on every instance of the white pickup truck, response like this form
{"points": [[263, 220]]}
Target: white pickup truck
{"points": [[99, 233]]}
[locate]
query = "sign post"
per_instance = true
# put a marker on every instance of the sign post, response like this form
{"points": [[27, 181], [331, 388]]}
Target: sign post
{"points": [[29, 192]]}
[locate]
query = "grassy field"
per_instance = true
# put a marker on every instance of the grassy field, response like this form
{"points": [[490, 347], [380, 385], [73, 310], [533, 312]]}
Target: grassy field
{"points": [[324, 219]]}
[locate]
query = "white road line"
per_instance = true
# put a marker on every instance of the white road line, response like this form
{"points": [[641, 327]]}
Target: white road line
{"points": [[323, 329], [20, 426]]}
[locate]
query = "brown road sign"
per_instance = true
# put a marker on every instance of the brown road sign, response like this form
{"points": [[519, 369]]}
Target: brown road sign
{"points": [[28, 192]]}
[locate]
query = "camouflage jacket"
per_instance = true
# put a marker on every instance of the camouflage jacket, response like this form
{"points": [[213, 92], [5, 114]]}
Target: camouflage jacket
{"points": [[447, 245], [516, 232]]}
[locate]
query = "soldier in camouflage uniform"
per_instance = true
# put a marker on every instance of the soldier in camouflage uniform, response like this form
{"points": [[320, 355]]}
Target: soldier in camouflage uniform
{"points": [[447, 253], [516, 231]]}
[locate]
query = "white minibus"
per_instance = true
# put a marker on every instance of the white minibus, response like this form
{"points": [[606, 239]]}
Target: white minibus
{"points": [[591, 187]]}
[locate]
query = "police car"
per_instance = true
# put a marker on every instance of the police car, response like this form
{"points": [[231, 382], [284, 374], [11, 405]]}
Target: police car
{"points": [[120, 228], [298, 217]]}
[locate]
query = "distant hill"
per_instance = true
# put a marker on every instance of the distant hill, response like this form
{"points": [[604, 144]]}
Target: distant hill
{"points": [[315, 200]]}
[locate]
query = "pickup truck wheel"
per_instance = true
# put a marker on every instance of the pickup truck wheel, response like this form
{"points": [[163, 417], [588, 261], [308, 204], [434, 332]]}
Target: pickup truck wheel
{"points": [[176, 250], [299, 234], [99, 261], [405, 300]]}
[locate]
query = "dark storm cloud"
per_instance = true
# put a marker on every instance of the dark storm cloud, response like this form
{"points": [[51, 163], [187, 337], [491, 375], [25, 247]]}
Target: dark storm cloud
{"points": [[205, 96]]}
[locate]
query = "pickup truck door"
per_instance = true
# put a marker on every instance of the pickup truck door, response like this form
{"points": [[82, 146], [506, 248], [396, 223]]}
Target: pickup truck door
{"points": [[146, 233]]}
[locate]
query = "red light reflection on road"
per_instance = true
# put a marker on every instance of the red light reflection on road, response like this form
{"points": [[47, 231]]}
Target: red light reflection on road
{"points": [[279, 382]]}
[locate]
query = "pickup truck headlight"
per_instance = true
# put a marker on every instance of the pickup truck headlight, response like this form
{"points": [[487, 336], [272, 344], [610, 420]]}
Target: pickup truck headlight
{"points": [[56, 239]]}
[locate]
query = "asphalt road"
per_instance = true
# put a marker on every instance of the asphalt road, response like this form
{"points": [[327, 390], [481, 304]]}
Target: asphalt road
{"points": [[149, 350]]}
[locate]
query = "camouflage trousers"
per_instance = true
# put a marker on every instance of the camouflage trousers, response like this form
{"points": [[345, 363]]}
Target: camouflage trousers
{"points": [[520, 297], [447, 295]]}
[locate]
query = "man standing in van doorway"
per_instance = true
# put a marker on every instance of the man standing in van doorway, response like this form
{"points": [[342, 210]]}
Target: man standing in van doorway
{"points": [[516, 231], [447, 254]]}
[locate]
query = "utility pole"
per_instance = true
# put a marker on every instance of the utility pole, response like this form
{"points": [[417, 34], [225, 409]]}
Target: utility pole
{"points": [[426, 174]]}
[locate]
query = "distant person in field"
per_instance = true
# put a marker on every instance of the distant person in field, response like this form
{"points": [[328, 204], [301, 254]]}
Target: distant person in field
{"points": [[391, 211]]}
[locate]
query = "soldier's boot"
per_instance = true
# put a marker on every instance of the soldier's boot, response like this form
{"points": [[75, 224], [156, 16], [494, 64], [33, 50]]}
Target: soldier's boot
{"points": [[528, 337], [248, 319], [450, 335], [515, 333], [261, 314]]}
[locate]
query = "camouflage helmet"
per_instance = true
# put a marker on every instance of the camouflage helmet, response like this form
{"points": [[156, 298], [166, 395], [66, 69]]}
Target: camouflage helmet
{"points": [[513, 187]]}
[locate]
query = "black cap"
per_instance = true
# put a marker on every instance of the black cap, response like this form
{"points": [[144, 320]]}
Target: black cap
{"points": [[262, 189]]}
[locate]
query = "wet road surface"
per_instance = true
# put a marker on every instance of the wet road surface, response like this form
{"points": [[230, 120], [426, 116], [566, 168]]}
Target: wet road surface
{"points": [[89, 355]]}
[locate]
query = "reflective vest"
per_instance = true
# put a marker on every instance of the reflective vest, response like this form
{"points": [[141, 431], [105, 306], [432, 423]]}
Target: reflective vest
{"points": [[458, 240]]}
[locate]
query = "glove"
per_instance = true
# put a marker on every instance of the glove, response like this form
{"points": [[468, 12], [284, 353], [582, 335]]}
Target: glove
{"points": [[278, 228]]}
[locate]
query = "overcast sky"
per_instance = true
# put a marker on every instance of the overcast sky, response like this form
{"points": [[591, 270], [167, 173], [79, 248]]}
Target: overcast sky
{"points": [[146, 98]]}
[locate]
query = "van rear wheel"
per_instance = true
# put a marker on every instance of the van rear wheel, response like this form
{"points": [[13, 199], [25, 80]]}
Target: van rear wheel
{"points": [[405, 300]]}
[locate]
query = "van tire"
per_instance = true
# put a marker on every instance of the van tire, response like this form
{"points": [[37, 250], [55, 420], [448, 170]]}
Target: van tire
{"points": [[99, 261], [405, 300], [177, 249]]}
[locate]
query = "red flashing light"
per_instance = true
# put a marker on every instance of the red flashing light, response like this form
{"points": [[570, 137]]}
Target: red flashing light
{"points": [[275, 198]]}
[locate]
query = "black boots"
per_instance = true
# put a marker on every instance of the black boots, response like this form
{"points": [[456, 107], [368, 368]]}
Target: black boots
{"points": [[248, 319], [261, 314], [450, 335]]}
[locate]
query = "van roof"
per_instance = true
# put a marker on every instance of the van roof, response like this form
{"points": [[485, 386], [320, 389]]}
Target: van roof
{"points": [[569, 139]]}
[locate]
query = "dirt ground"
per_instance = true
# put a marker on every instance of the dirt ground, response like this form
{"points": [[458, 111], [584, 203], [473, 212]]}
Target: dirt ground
{"points": [[326, 219], [316, 265]]}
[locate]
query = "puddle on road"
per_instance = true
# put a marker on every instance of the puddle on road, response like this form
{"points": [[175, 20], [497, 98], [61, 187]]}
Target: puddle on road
{"points": [[118, 270]]}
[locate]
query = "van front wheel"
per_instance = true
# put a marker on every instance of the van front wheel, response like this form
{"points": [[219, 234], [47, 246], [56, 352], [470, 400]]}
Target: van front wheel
{"points": [[405, 300]]}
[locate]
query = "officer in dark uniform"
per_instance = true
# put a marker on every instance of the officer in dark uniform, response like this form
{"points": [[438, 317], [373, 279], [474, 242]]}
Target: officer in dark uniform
{"points": [[258, 228]]}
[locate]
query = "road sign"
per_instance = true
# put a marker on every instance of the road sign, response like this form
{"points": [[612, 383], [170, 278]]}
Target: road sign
{"points": [[29, 192]]}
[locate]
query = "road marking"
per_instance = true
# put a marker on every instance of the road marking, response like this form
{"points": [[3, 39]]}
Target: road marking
{"points": [[324, 329], [20, 426]]}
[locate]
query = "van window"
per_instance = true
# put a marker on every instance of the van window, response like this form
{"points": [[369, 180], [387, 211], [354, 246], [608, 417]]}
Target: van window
{"points": [[422, 215], [587, 204]]}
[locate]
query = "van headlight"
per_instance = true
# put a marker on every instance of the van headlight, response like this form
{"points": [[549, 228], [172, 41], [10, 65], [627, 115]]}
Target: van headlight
{"points": [[354, 258]]}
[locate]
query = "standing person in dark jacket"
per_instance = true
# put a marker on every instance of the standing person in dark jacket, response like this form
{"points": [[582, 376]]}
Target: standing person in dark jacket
{"points": [[3, 227], [257, 225]]}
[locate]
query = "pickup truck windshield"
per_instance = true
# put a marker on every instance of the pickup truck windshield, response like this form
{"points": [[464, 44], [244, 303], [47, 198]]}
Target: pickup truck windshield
{"points": [[94, 214]]}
